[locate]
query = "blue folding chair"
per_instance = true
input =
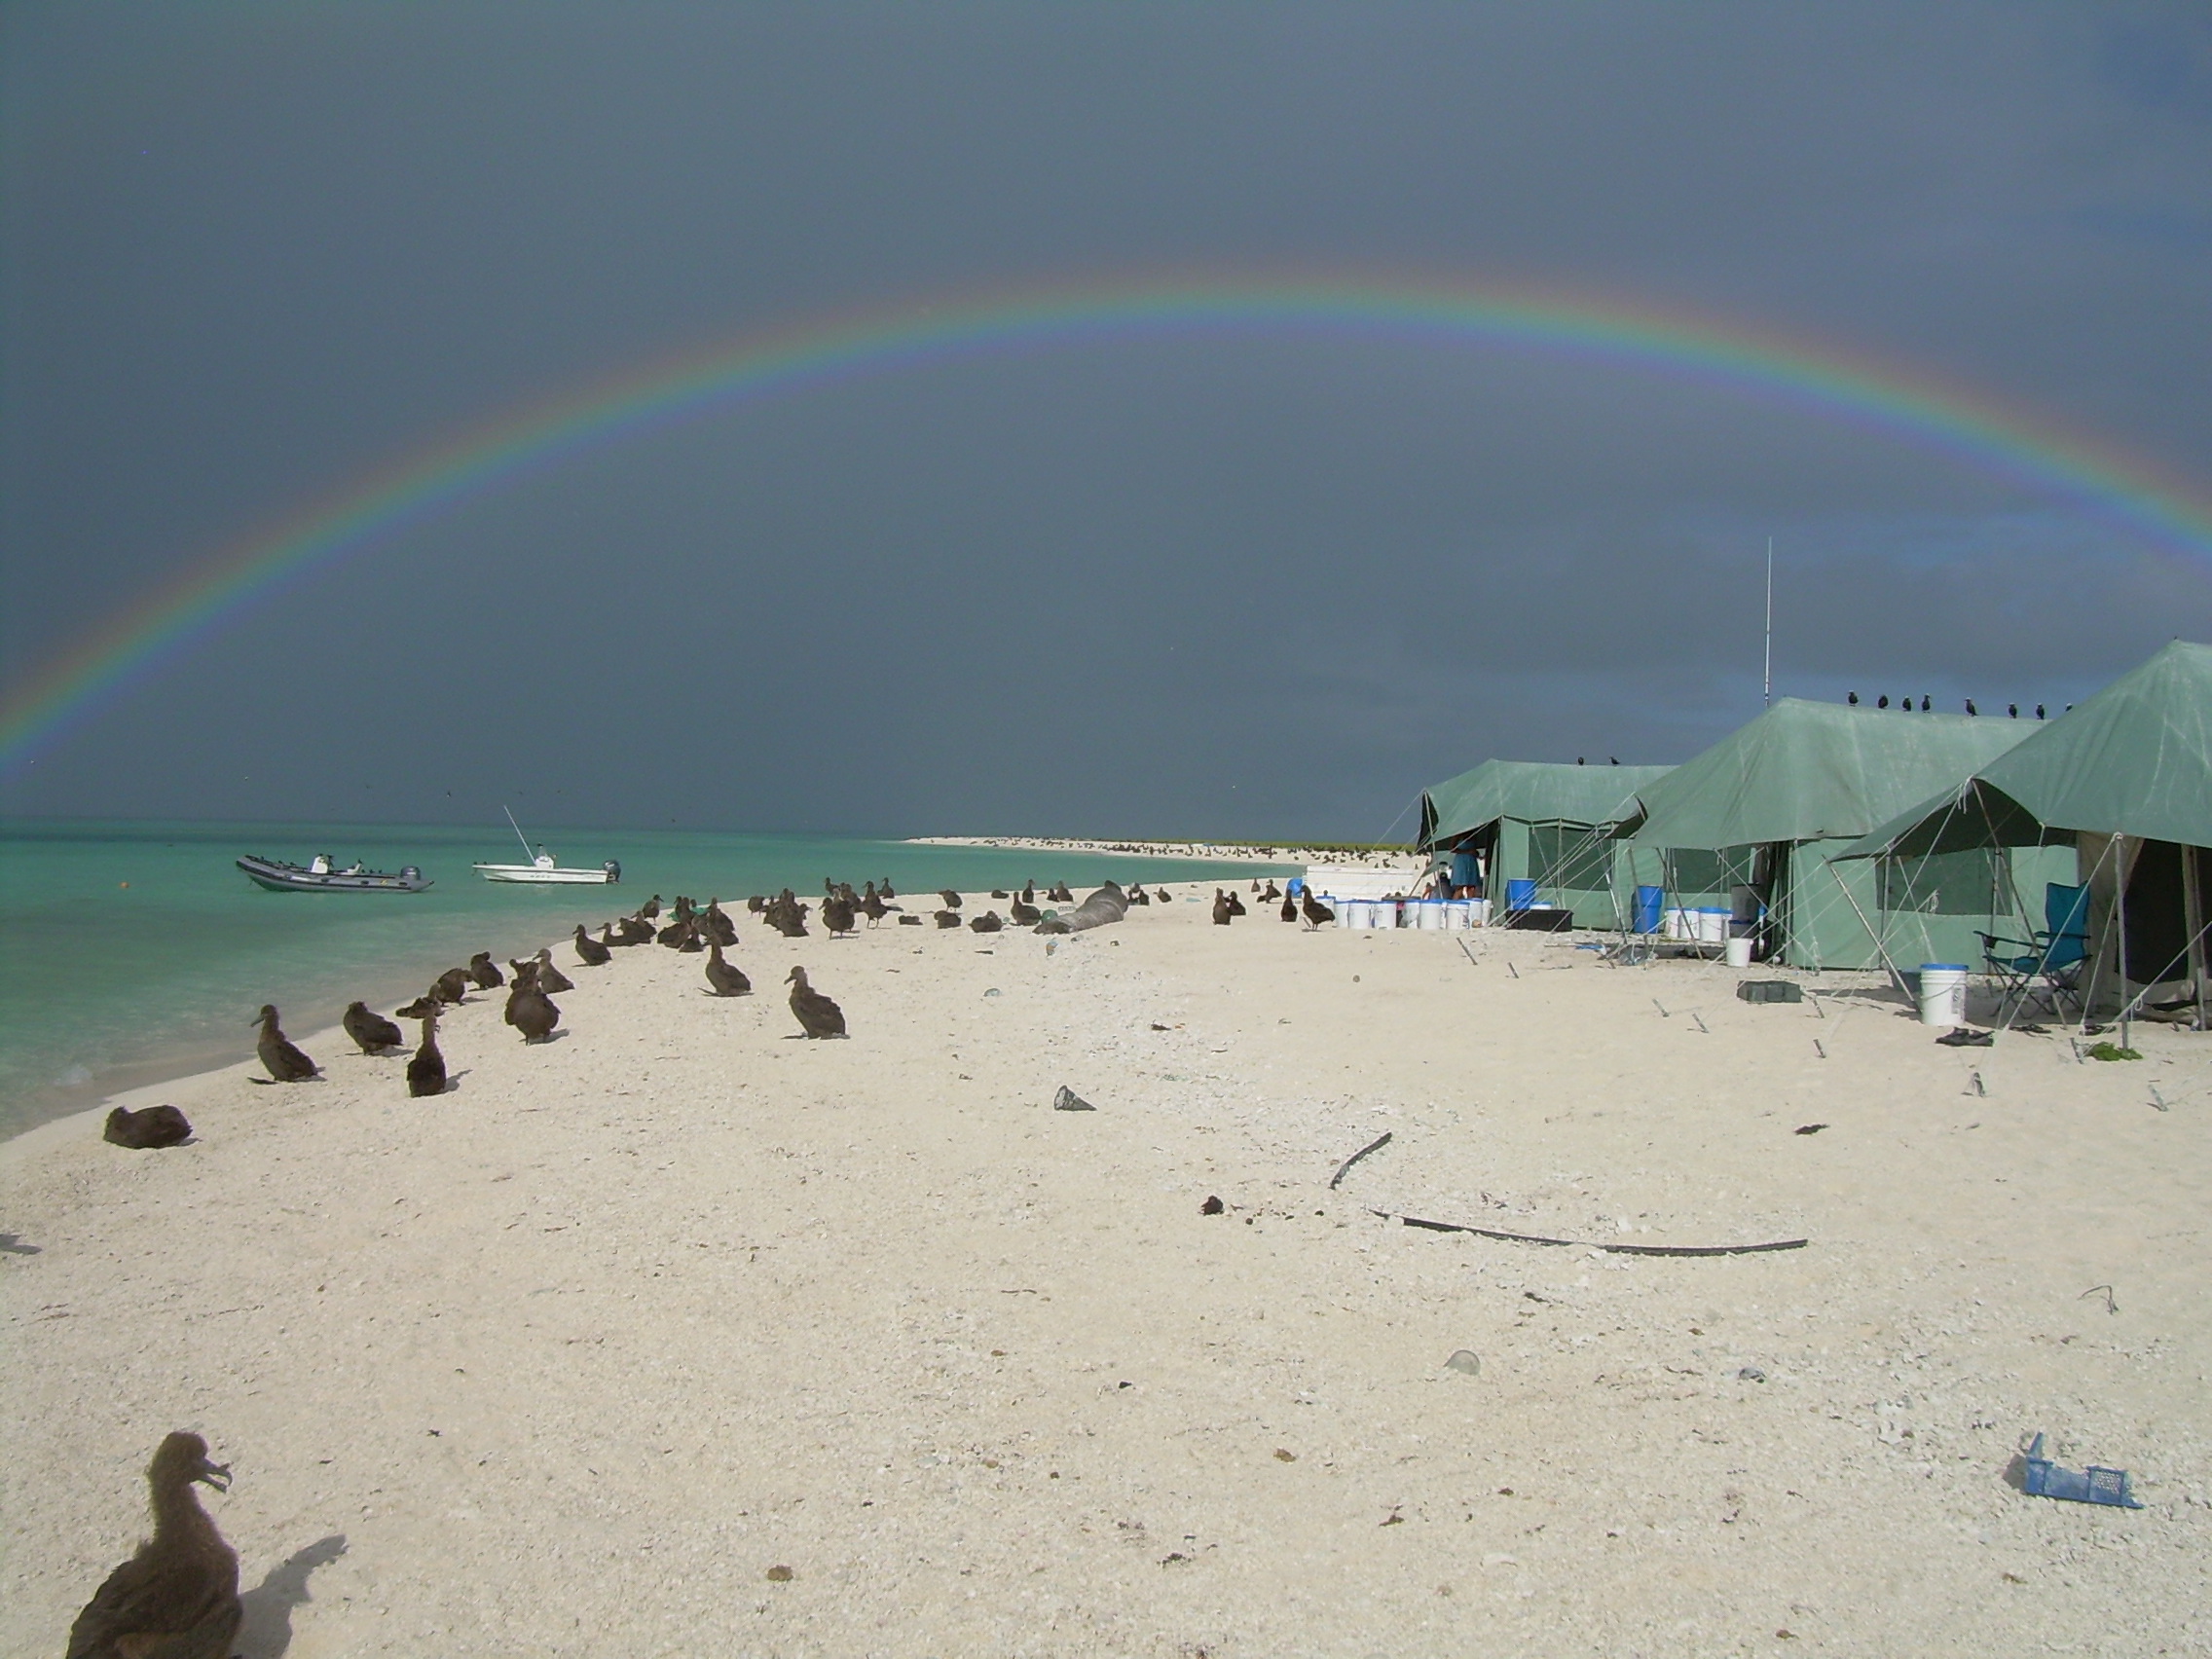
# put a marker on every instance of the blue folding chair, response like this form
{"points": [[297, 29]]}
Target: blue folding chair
{"points": [[2051, 970]]}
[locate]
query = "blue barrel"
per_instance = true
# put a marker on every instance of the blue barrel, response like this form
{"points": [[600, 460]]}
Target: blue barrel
{"points": [[1520, 895], [1294, 885], [1650, 902]]}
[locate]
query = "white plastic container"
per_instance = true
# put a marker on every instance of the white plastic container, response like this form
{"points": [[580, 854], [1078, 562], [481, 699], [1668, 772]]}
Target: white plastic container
{"points": [[1712, 925], [1355, 913], [1942, 993], [1428, 914], [1739, 953], [1459, 914], [1385, 913]]}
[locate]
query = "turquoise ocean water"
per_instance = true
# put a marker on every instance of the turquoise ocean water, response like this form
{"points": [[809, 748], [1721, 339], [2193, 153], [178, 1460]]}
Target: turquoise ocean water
{"points": [[131, 951]]}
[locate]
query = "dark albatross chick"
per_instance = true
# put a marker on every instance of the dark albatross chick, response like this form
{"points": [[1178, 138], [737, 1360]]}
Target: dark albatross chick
{"points": [[837, 917], [453, 985], [950, 898], [1289, 908], [427, 1071], [372, 1031], [147, 1127], [483, 974], [816, 1013], [1221, 910], [589, 951], [531, 1011], [987, 922], [948, 918], [550, 978], [1312, 910], [178, 1597], [1025, 914], [283, 1057], [724, 979]]}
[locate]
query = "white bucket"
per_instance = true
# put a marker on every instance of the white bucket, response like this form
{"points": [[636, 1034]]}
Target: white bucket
{"points": [[1478, 913], [1459, 914], [1739, 953], [1679, 923], [1712, 925], [1385, 913], [1350, 913], [1428, 914], [1942, 993]]}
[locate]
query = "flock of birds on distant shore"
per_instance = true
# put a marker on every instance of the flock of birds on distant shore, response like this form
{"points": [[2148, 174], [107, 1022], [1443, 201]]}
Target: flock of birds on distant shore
{"points": [[178, 1596]]}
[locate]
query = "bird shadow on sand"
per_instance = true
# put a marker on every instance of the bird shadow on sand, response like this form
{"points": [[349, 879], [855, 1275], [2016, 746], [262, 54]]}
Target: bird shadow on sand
{"points": [[267, 1631], [12, 1244]]}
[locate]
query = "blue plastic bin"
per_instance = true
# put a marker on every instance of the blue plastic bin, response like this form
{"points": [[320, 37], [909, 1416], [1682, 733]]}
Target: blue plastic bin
{"points": [[1520, 895], [1651, 906]]}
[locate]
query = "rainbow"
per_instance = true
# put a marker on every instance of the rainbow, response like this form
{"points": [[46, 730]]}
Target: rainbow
{"points": [[1902, 405]]}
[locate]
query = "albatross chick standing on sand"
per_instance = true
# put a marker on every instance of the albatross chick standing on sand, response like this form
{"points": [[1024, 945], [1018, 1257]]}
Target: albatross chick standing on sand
{"points": [[550, 978], [487, 977], [531, 1011], [372, 1031], [178, 1597], [427, 1068], [589, 951], [816, 1013], [285, 1063], [727, 980]]}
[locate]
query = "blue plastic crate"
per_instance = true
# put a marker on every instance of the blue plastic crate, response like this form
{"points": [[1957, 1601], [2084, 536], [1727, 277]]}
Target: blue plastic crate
{"points": [[2046, 1478]]}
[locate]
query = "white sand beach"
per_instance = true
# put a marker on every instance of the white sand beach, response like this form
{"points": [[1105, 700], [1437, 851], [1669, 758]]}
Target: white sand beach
{"points": [[569, 1359]]}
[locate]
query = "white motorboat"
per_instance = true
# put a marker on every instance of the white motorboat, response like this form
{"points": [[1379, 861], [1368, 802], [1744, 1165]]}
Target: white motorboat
{"points": [[549, 874], [545, 870]]}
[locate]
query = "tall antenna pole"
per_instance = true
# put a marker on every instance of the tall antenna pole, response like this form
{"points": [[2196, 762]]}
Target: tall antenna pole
{"points": [[1767, 702]]}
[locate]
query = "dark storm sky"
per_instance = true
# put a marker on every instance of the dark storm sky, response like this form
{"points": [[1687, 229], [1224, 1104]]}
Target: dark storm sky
{"points": [[1251, 586]]}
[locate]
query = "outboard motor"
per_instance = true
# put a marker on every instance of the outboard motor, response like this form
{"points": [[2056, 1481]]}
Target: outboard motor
{"points": [[410, 873], [613, 869]]}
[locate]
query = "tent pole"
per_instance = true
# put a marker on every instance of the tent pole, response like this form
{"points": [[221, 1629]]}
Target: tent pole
{"points": [[2119, 911], [2192, 917]]}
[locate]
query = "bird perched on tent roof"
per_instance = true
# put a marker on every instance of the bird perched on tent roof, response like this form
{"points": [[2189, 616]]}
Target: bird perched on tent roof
{"points": [[1971, 708], [1926, 703], [1851, 697], [1882, 702], [178, 1596]]}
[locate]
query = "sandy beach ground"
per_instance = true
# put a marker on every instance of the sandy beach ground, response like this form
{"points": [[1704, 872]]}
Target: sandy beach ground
{"points": [[568, 1360]]}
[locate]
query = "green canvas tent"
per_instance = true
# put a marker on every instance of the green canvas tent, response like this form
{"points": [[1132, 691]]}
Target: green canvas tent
{"points": [[2134, 763], [1770, 806], [1540, 822]]}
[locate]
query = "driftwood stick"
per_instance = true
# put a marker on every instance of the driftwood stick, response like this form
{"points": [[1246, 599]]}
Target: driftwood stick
{"points": [[1610, 1249], [1376, 1145]]}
